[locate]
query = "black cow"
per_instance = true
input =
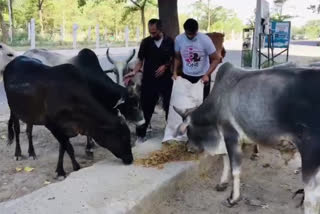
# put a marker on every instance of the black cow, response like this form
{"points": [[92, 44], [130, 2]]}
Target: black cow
{"points": [[110, 95], [60, 99], [277, 107]]}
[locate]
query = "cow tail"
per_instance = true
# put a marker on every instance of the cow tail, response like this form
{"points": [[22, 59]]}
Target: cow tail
{"points": [[10, 130]]}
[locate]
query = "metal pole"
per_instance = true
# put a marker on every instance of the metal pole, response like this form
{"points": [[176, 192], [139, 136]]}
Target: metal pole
{"points": [[74, 34], [257, 31], [33, 33], [97, 37], [126, 33]]}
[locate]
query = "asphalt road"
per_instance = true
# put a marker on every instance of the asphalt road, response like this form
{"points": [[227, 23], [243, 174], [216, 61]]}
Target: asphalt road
{"points": [[305, 42]]}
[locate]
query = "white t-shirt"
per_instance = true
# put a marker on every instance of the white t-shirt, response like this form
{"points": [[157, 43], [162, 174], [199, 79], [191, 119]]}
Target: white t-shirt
{"points": [[158, 42], [194, 53]]}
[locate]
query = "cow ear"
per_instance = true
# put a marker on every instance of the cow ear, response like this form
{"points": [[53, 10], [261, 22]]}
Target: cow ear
{"points": [[181, 112], [182, 128], [120, 101], [184, 113]]}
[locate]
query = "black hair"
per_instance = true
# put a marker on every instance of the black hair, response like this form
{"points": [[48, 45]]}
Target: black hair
{"points": [[157, 22], [191, 25]]}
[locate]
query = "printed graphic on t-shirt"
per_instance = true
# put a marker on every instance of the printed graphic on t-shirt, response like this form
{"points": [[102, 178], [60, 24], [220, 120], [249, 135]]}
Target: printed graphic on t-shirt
{"points": [[192, 56]]}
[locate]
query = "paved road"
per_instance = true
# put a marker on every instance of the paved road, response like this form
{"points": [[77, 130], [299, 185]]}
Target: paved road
{"points": [[305, 42]]}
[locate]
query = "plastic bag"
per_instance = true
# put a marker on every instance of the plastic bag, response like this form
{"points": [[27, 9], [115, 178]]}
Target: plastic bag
{"points": [[184, 95]]}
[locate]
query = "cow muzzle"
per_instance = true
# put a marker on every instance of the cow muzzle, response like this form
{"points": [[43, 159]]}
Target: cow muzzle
{"points": [[127, 160], [140, 122], [193, 148]]}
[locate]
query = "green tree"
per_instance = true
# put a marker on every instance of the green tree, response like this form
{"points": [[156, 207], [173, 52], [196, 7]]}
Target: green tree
{"points": [[312, 29], [139, 5], [221, 19], [315, 8], [4, 28], [278, 11]]}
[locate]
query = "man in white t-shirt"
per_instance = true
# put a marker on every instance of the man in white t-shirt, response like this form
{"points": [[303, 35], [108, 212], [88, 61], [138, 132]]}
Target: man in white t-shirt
{"points": [[198, 55]]}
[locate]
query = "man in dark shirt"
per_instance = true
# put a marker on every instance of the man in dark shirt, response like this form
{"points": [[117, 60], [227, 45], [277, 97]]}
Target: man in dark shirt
{"points": [[155, 55]]}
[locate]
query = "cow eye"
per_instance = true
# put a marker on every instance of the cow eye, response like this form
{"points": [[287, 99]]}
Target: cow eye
{"points": [[10, 55], [0, 46]]}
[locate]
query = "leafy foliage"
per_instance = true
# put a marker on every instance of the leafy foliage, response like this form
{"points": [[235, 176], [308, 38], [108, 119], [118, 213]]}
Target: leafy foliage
{"points": [[221, 19], [112, 15]]}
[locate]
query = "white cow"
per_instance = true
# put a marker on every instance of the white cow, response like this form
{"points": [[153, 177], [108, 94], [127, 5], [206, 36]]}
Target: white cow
{"points": [[6, 55]]}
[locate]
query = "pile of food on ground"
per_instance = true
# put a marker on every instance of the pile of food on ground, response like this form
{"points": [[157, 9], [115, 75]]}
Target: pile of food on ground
{"points": [[170, 152]]}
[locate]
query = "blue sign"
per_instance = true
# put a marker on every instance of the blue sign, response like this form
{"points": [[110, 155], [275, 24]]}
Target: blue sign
{"points": [[281, 34]]}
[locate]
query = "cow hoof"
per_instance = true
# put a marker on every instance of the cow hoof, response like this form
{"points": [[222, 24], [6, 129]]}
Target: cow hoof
{"points": [[140, 140], [133, 144], [230, 203], [298, 192], [18, 158], [33, 157], [60, 177], [76, 167], [254, 156], [89, 154], [221, 187]]}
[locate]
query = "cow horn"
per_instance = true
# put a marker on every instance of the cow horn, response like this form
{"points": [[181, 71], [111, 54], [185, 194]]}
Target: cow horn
{"points": [[120, 101], [181, 112], [184, 113], [132, 55], [108, 57]]}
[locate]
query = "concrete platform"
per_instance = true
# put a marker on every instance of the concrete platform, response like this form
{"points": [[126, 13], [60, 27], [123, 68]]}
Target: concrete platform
{"points": [[109, 187]]}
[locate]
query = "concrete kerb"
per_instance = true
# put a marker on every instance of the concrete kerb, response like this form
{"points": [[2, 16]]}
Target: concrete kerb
{"points": [[110, 187]]}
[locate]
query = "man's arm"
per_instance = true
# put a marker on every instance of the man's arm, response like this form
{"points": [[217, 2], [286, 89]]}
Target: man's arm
{"points": [[177, 64], [138, 66], [215, 59]]}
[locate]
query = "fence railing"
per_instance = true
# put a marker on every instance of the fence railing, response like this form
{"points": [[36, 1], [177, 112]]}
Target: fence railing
{"points": [[76, 37]]}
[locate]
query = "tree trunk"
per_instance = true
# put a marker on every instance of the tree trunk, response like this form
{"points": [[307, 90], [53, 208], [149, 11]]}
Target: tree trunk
{"points": [[4, 29], [10, 19], [209, 17], [168, 13], [143, 21], [41, 22]]}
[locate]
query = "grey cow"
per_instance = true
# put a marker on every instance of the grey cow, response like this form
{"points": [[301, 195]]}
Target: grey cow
{"points": [[274, 107]]}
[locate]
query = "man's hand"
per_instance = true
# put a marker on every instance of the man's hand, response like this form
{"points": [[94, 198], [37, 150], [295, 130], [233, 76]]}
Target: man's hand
{"points": [[160, 71], [128, 77], [205, 79], [174, 76], [130, 74]]}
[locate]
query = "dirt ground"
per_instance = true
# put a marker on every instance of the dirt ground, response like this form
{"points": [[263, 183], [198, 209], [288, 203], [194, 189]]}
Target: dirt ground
{"points": [[14, 184], [267, 186]]}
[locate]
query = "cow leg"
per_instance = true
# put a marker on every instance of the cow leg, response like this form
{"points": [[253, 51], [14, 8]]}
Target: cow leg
{"points": [[60, 171], [31, 148], [255, 154], [234, 151], [16, 126], [222, 186], [298, 192], [10, 129], [70, 151], [312, 195], [89, 147], [64, 146]]}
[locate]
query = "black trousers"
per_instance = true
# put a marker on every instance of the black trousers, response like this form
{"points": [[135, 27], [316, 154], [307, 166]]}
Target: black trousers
{"points": [[151, 91], [206, 88]]}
